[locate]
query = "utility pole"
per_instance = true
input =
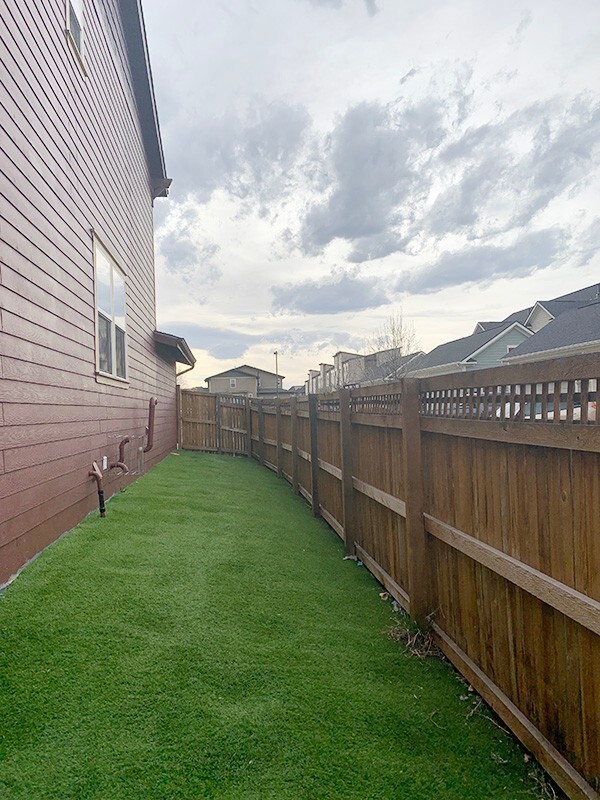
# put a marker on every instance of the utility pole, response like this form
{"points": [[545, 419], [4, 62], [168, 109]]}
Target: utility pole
{"points": [[275, 353]]}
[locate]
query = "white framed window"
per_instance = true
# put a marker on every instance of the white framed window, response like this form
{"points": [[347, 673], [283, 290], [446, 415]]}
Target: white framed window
{"points": [[232, 383], [510, 347], [111, 340], [74, 9]]}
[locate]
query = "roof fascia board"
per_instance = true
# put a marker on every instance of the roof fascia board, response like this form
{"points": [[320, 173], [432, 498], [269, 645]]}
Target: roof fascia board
{"points": [[555, 352], [440, 369], [132, 18]]}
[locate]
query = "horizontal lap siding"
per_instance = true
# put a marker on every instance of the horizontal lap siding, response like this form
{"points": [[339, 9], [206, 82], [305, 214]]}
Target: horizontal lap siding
{"points": [[72, 164]]}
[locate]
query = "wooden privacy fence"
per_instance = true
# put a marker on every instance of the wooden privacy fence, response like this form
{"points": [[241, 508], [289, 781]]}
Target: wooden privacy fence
{"points": [[474, 498], [213, 423]]}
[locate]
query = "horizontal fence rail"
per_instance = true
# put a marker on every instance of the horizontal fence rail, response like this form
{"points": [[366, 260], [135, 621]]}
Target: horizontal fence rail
{"points": [[474, 498]]}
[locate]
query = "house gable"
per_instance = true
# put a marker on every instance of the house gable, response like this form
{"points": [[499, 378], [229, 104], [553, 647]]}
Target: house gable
{"points": [[482, 349], [576, 331], [539, 317], [492, 353]]}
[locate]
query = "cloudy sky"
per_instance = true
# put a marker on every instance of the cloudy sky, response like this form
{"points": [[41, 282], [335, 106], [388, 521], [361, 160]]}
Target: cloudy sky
{"points": [[336, 160]]}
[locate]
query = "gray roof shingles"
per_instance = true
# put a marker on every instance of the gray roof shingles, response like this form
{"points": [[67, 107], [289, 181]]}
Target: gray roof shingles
{"points": [[575, 327], [459, 349]]}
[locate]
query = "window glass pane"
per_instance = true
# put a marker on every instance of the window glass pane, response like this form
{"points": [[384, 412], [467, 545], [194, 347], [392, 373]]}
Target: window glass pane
{"points": [[119, 298], [120, 352], [76, 21], [103, 291], [77, 6], [104, 344]]}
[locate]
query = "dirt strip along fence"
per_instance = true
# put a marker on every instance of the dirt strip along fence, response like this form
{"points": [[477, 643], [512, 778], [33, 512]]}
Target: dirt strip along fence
{"points": [[474, 498]]}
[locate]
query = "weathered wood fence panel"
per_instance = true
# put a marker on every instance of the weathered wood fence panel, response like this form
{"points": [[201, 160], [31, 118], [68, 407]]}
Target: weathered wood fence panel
{"points": [[198, 422], [475, 499], [213, 423]]}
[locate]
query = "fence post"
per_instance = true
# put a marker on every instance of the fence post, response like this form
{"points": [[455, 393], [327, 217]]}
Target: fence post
{"points": [[178, 413], [218, 421], [278, 436], [418, 562], [346, 463], [248, 428], [261, 432], [314, 453], [294, 442]]}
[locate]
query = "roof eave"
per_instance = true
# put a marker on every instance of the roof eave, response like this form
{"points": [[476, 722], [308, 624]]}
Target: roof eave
{"points": [[554, 352], [132, 18], [178, 346], [439, 369]]}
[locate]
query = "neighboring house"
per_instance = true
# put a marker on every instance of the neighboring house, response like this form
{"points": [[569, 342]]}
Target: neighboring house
{"points": [[572, 332], [353, 370], [251, 381], [386, 366], [546, 328], [486, 348], [80, 357]]}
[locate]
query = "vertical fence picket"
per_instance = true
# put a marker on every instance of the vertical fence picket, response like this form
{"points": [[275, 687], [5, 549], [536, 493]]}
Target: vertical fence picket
{"points": [[314, 453], [418, 563], [347, 466], [279, 438], [294, 442], [261, 432], [248, 428]]}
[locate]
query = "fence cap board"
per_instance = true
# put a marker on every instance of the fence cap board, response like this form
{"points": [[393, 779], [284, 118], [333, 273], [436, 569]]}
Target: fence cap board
{"points": [[562, 435], [555, 369], [379, 390]]}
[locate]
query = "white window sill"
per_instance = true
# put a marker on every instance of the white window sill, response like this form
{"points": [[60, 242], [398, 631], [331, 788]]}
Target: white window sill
{"points": [[111, 380]]}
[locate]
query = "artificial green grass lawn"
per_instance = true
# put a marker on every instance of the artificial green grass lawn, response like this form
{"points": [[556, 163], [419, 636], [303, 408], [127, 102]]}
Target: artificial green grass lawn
{"points": [[206, 640]]}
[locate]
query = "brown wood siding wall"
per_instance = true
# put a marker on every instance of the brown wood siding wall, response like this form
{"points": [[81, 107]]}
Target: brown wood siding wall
{"points": [[72, 164]]}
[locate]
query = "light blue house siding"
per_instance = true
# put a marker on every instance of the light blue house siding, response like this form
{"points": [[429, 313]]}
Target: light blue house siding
{"points": [[493, 354]]}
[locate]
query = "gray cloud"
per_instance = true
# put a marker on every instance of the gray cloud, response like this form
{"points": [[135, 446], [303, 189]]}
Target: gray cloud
{"points": [[485, 262], [226, 343], [524, 23], [160, 211], [372, 160], [187, 253], [218, 342], [501, 175], [298, 342], [564, 154], [334, 294], [369, 248], [379, 165], [371, 5], [410, 74], [247, 154], [588, 243]]}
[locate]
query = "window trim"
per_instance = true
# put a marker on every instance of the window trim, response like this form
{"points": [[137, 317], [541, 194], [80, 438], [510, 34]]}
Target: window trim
{"points": [[79, 54], [233, 383], [110, 378]]}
